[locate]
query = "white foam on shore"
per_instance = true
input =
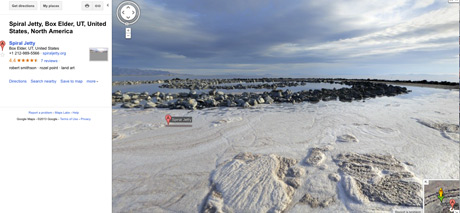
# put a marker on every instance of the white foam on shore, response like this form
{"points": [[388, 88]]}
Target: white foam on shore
{"points": [[156, 168], [251, 185]]}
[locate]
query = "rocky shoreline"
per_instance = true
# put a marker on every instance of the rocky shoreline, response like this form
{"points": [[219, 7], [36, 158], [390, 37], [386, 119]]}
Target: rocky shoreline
{"points": [[357, 91], [210, 83]]}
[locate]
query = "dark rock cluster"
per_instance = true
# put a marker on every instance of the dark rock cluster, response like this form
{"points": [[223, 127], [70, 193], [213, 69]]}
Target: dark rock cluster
{"points": [[358, 90], [118, 83], [196, 84], [242, 83]]}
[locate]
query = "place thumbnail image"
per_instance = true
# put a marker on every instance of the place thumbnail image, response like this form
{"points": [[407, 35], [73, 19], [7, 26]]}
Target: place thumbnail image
{"points": [[98, 54]]}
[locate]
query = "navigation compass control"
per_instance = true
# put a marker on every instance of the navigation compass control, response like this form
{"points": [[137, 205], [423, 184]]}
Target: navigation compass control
{"points": [[128, 12]]}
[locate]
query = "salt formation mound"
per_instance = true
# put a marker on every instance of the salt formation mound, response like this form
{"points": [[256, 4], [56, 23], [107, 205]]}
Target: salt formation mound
{"points": [[316, 157], [347, 138], [319, 191], [379, 178], [334, 177], [115, 135], [252, 183], [315, 202], [449, 131]]}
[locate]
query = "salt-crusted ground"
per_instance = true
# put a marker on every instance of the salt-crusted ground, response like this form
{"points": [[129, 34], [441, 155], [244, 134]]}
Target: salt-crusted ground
{"points": [[325, 157]]}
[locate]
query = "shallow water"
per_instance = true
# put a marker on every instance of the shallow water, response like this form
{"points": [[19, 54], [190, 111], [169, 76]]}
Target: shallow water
{"points": [[167, 77], [151, 88], [423, 91]]}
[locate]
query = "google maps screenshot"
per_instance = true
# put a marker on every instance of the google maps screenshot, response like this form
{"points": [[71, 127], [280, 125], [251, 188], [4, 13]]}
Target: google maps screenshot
{"points": [[230, 106]]}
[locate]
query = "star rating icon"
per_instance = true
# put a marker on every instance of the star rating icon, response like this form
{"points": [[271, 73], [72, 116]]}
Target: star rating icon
{"points": [[22, 60]]}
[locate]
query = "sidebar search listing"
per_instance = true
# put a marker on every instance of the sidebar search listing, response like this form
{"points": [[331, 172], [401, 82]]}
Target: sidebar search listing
{"points": [[55, 74]]}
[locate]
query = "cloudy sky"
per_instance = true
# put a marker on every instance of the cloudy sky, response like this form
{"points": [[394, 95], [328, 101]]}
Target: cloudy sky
{"points": [[292, 38]]}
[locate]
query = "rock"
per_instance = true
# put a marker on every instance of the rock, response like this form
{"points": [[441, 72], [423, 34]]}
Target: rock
{"points": [[316, 157], [125, 98], [325, 203], [253, 102], [294, 182], [326, 148], [240, 102], [284, 166], [277, 93], [334, 177], [345, 98], [129, 105], [314, 99], [115, 135], [269, 100], [322, 167], [359, 90], [230, 103], [191, 104], [347, 138], [246, 156], [149, 104], [211, 102], [308, 199], [220, 97], [296, 172], [162, 105], [212, 92], [246, 105], [260, 100]]}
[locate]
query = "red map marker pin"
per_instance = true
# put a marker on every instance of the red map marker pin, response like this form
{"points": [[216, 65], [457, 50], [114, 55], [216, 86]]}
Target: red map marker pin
{"points": [[452, 203], [2, 44], [168, 118]]}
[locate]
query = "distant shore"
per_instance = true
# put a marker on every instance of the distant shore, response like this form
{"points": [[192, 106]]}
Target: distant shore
{"points": [[420, 84]]}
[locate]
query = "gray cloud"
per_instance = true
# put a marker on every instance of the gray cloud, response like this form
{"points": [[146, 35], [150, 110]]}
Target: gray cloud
{"points": [[299, 36]]}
